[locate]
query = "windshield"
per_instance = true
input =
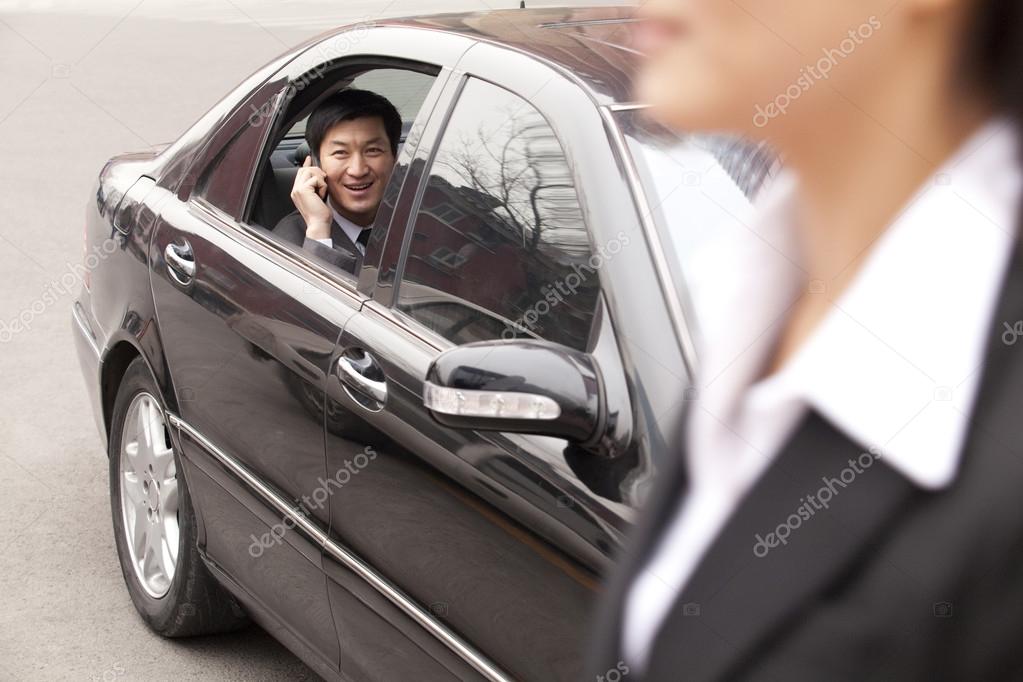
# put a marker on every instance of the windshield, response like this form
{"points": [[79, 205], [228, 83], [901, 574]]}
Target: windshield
{"points": [[701, 189]]}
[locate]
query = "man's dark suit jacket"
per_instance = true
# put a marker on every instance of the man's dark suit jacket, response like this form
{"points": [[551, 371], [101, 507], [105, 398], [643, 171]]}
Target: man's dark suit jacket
{"points": [[344, 255], [890, 583]]}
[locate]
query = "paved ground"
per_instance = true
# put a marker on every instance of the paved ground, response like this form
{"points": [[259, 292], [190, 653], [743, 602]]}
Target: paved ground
{"points": [[81, 81]]}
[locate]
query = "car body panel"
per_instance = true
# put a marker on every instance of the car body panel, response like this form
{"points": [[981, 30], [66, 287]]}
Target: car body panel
{"points": [[444, 553], [115, 311], [590, 45], [538, 537], [248, 344]]}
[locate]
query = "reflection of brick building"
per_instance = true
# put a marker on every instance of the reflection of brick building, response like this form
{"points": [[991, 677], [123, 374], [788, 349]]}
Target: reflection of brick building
{"points": [[464, 242], [459, 240]]}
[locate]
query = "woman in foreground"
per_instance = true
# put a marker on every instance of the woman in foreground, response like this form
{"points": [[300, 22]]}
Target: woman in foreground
{"points": [[845, 504]]}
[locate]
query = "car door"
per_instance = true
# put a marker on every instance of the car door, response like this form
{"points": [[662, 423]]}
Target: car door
{"points": [[250, 322], [248, 332], [495, 542]]}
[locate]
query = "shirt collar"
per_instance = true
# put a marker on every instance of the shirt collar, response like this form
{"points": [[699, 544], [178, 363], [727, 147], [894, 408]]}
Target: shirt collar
{"points": [[351, 229], [896, 362]]}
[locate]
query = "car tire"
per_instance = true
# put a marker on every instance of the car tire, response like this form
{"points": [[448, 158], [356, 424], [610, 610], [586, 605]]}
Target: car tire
{"points": [[155, 531]]}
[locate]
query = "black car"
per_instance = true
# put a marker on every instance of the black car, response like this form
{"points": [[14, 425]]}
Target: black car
{"points": [[423, 469]]}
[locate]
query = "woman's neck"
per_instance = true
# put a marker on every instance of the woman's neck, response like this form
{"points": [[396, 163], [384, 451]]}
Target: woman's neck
{"points": [[853, 185]]}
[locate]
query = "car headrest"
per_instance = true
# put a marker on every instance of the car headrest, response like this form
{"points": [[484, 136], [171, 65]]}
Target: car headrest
{"points": [[301, 152]]}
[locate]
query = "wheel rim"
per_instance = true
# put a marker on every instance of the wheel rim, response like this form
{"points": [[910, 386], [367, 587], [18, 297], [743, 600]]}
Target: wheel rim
{"points": [[149, 495]]}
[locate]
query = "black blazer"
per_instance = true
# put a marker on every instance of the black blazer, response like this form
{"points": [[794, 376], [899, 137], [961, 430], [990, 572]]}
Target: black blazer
{"points": [[892, 582], [344, 253]]}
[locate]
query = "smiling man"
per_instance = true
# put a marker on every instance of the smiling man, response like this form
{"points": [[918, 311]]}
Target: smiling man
{"points": [[353, 140]]}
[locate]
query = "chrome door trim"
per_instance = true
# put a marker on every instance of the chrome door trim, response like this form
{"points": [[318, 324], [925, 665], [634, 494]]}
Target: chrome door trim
{"points": [[349, 560], [579, 23], [676, 308], [628, 106]]}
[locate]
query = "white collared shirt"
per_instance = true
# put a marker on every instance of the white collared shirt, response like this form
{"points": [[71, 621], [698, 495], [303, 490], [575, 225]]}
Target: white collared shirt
{"points": [[351, 229], [894, 365]]}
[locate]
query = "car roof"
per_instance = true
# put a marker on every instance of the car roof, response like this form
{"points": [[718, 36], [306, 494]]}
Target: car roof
{"points": [[591, 43]]}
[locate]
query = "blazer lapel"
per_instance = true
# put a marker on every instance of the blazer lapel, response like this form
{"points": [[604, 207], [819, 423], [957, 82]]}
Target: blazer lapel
{"points": [[774, 554], [340, 238], [342, 241], [745, 590]]}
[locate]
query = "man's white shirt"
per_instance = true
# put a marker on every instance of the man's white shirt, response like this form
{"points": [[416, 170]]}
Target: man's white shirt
{"points": [[351, 229]]}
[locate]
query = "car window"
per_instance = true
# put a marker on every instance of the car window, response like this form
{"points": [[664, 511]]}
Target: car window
{"points": [[500, 248], [405, 89], [271, 208], [224, 180], [703, 191]]}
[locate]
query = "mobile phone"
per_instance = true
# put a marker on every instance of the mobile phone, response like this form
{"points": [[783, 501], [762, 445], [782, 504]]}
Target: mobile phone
{"points": [[316, 163]]}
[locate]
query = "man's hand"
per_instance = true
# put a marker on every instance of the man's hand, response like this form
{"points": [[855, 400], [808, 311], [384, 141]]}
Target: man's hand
{"points": [[309, 194]]}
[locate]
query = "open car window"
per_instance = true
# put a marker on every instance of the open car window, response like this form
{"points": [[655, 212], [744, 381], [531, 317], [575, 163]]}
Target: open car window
{"points": [[406, 90], [271, 169]]}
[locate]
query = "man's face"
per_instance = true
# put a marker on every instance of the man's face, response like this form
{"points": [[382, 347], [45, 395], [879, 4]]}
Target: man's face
{"points": [[356, 157]]}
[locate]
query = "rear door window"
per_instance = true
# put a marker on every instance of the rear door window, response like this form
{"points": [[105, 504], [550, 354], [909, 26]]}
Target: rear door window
{"points": [[500, 247]]}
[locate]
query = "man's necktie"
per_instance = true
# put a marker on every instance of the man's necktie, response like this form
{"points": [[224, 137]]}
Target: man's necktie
{"points": [[363, 238]]}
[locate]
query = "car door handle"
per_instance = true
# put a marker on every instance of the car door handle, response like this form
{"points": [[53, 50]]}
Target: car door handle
{"points": [[180, 262], [353, 373]]}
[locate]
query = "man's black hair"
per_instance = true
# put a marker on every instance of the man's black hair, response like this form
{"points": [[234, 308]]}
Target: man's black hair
{"points": [[348, 105]]}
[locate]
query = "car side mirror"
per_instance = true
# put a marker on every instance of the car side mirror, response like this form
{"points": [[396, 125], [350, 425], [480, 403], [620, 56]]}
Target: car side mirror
{"points": [[520, 386]]}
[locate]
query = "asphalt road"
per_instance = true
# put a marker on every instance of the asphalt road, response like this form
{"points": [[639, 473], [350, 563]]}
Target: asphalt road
{"points": [[81, 81]]}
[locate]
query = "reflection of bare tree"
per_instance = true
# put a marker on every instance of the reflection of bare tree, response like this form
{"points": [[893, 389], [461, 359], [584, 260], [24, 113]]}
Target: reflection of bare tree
{"points": [[500, 227], [520, 165]]}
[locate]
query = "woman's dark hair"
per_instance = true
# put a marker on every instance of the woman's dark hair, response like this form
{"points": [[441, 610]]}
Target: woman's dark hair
{"points": [[993, 59], [994, 54], [348, 105]]}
